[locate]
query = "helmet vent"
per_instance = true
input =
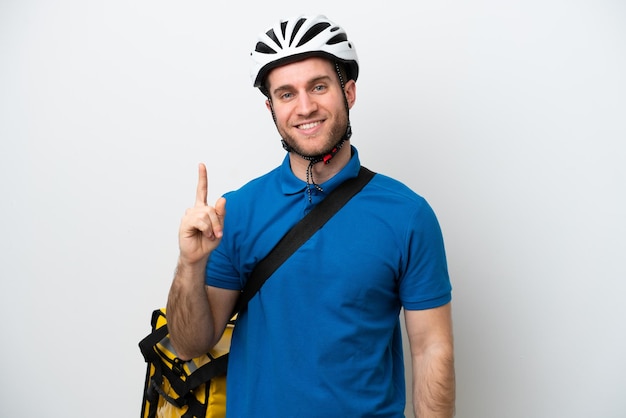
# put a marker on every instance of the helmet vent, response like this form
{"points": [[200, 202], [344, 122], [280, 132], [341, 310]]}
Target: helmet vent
{"points": [[313, 32], [263, 48], [295, 30], [340, 37], [283, 28], [273, 36]]}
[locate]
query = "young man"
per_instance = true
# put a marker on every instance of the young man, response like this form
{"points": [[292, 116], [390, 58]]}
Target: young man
{"points": [[322, 337]]}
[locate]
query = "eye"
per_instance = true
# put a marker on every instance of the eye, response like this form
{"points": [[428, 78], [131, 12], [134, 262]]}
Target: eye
{"points": [[319, 88], [286, 96]]}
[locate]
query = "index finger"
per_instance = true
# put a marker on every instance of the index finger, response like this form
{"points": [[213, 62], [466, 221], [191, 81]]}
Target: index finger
{"points": [[202, 190]]}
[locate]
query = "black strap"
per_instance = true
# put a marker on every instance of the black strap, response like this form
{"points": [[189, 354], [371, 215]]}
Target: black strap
{"points": [[216, 367], [300, 233]]}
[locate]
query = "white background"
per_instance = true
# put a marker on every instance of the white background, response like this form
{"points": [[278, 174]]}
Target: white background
{"points": [[508, 116]]}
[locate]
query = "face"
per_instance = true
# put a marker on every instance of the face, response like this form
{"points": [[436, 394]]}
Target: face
{"points": [[309, 105]]}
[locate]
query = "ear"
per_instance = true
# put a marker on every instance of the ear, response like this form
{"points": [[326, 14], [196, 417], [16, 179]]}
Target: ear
{"points": [[350, 91], [268, 104]]}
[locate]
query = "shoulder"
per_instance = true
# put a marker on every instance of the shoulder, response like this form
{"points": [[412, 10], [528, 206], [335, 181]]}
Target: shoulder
{"points": [[255, 188], [395, 191], [393, 198]]}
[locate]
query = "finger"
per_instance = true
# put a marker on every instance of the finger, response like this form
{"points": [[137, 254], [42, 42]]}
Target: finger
{"points": [[202, 190], [217, 217], [206, 229], [220, 207], [198, 221]]}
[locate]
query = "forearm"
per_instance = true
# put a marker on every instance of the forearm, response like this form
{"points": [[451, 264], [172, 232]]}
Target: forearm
{"points": [[434, 387], [190, 321]]}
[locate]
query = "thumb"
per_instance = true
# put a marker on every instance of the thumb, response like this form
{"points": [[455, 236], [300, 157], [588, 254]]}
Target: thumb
{"points": [[220, 207]]}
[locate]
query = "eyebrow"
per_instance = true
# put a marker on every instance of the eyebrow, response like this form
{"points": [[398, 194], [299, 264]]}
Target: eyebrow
{"points": [[310, 82]]}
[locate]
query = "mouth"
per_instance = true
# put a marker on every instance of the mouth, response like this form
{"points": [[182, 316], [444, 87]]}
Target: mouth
{"points": [[309, 125]]}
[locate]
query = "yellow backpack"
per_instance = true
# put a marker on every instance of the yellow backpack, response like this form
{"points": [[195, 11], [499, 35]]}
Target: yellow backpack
{"points": [[185, 389]]}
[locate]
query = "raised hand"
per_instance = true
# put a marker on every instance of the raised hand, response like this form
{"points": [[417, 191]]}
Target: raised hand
{"points": [[202, 226]]}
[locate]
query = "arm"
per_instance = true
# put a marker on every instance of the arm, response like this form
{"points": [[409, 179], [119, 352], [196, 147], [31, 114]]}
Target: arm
{"points": [[197, 314], [432, 355]]}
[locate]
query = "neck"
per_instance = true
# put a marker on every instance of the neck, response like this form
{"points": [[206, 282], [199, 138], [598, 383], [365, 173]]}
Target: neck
{"points": [[321, 171]]}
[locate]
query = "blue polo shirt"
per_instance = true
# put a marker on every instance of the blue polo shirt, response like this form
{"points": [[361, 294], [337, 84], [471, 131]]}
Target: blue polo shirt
{"points": [[322, 336]]}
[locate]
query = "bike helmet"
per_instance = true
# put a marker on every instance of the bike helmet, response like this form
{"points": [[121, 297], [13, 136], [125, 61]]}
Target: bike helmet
{"points": [[298, 38]]}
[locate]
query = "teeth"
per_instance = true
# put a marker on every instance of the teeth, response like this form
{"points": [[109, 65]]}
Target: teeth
{"points": [[309, 125]]}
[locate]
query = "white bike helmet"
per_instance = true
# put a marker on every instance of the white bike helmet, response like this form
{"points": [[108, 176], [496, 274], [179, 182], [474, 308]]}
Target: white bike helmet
{"points": [[298, 38]]}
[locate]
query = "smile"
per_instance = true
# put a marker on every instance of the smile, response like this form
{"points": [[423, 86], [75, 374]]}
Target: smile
{"points": [[309, 125]]}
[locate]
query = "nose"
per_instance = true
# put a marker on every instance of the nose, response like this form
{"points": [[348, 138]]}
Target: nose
{"points": [[306, 105]]}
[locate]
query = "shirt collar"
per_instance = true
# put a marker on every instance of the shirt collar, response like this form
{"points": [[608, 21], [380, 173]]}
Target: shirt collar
{"points": [[292, 185]]}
